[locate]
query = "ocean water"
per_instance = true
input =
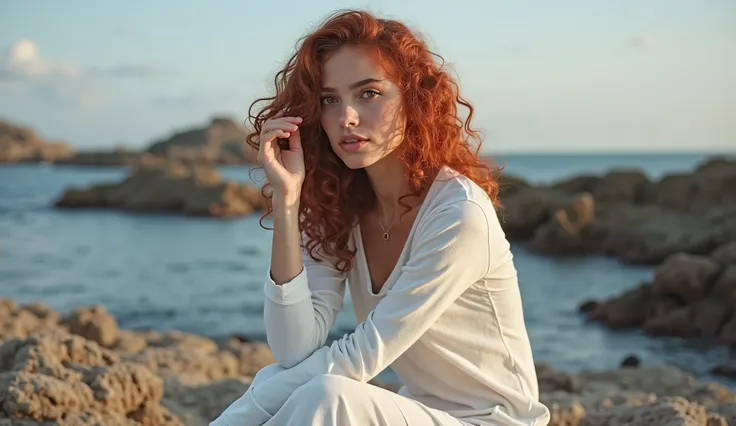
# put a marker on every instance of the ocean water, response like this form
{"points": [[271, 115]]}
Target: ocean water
{"points": [[205, 276]]}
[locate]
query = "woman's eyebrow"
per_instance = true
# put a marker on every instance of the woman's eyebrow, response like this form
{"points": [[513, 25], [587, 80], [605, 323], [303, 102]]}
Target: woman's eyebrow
{"points": [[356, 84]]}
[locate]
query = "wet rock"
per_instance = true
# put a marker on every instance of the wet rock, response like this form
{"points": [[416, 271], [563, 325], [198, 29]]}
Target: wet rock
{"points": [[629, 186], [563, 232], [198, 191], [631, 361]]}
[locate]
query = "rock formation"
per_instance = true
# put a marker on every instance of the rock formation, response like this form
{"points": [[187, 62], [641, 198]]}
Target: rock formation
{"points": [[19, 144], [81, 369], [195, 191]]}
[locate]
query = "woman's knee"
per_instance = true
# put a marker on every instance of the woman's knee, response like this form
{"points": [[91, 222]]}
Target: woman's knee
{"points": [[266, 372], [329, 387]]}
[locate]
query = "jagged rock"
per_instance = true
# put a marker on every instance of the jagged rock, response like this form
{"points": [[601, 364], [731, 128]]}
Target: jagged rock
{"points": [[198, 191], [629, 186], [685, 277], [93, 323], [563, 231], [529, 208], [725, 254], [221, 141], [64, 378], [19, 144], [663, 412]]}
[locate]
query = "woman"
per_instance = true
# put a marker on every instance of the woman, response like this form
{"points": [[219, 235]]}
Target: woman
{"points": [[373, 182]]}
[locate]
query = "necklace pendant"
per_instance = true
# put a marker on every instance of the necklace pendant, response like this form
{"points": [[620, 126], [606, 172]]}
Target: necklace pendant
{"points": [[385, 236]]}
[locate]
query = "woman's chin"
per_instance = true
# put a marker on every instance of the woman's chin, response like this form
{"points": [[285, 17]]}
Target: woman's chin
{"points": [[355, 162]]}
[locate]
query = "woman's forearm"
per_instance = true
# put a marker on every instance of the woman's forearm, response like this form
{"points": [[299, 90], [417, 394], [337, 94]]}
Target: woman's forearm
{"points": [[286, 255]]}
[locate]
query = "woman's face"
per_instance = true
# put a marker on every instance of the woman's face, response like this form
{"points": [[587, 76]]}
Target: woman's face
{"points": [[361, 109]]}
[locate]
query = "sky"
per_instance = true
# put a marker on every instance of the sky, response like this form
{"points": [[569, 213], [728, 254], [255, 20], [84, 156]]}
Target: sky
{"points": [[544, 76]]}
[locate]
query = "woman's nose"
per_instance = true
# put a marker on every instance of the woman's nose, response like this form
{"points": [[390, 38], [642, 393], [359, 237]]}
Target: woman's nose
{"points": [[348, 116]]}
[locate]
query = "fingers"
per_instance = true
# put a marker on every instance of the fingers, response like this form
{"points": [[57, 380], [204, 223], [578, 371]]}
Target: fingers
{"points": [[284, 123], [278, 127], [295, 141], [267, 148]]}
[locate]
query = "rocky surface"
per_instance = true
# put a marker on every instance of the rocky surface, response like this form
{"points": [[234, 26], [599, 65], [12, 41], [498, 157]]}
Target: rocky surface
{"points": [[626, 215], [193, 191], [20, 144], [690, 296], [222, 141], [81, 369]]}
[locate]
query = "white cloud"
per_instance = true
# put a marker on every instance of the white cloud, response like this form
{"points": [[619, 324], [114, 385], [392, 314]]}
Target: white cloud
{"points": [[644, 42], [22, 60]]}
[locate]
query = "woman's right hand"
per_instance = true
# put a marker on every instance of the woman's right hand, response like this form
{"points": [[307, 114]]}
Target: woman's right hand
{"points": [[284, 168]]}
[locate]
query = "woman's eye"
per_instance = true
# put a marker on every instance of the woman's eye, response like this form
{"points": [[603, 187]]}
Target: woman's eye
{"points": [[372, 93], [328, 99]]}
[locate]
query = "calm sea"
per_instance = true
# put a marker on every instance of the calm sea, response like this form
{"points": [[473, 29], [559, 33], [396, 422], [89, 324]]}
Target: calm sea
{"points": [[205, 276]]}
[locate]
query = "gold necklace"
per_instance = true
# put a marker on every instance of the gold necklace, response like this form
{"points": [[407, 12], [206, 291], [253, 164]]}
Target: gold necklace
{"points": [[386, 235]]}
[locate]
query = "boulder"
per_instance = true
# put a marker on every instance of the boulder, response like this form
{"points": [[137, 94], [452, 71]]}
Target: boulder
{"points": [[221, 141], [528, 208], [685, 277], [93, 323], [197, 191], [624, 186], [63, 378], [712, 185], [19, 144], [564, 231]]}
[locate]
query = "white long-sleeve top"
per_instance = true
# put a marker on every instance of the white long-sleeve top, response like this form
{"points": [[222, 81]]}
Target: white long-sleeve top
{"points": [[448, 321]]}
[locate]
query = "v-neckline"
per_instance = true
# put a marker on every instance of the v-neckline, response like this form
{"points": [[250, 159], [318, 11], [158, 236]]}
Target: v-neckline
{"points": [[363, 259]]}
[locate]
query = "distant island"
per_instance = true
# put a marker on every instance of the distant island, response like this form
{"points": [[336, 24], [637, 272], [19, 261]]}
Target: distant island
{"points": [[221, 141]]}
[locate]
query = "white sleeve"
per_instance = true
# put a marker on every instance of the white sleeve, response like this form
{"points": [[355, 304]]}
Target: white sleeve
{"points": [[299, 314], [453, 251]]}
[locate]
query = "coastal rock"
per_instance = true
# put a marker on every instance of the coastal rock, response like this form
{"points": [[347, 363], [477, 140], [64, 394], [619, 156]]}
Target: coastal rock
{"points": [[663, 412], [613, 396], [252, 356], [93, 323], [725, 254], [56, 376], [685, 277], [577, 184], [22, 321], [691, 296], [173, 377], [628, 310], [192, 359], [198, 191], [635, 220], [221, 141], [527, 209], [510, 185], [627, 186], [711, 185], [116, 157], [206, 401], [563, 233], [19, 144]]}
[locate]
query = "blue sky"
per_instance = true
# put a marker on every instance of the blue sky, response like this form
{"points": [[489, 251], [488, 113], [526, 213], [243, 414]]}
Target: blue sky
{"points": [[620, 75]]}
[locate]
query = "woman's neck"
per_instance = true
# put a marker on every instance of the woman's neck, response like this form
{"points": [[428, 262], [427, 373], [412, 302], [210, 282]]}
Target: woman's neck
{"points": [[388, 180]]}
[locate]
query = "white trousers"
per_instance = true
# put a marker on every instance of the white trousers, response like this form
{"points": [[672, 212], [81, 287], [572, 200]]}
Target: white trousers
{"points": [[331, 400]]}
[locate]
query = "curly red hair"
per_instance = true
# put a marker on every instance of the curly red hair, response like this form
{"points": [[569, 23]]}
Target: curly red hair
{"points": [[333, 196]]}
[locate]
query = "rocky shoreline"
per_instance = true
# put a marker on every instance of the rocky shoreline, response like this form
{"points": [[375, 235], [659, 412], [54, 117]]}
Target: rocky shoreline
{"points": [[79, 368], [173, 188], [220, 141]]}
